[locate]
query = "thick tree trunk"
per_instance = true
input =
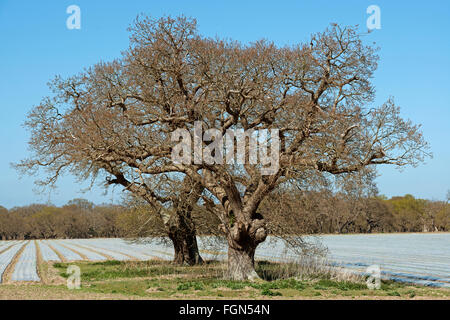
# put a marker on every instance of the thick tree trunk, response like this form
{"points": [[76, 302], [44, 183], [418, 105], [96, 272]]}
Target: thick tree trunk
{"points": [[181, 228], [185, 247], [241, 263], [182, 232], [243, 239]]}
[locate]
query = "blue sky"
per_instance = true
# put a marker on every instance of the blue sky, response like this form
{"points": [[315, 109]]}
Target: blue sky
{"points": [[414, 68]]}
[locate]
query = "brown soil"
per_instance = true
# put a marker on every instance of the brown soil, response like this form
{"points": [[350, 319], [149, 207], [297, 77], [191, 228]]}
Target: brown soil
{"points": [[6, 249], [60, 256], [7, 274], [73, 250], [103, 254], [39, 292], [40, 263], [48, 274], [95, 251]]}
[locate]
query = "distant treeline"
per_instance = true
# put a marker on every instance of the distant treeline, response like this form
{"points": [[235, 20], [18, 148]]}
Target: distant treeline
{"points": [[325, 213], [77, 219], [309, 214]]}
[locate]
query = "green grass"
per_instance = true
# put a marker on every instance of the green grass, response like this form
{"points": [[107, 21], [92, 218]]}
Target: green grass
{"points": [[160, 279], [268, 292], [326, 284], [96, 271]]}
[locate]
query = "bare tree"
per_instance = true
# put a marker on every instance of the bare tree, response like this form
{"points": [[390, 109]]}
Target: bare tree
{"points": [[117, 119]]}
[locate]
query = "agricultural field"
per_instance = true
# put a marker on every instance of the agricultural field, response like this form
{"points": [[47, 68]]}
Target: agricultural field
{"points": [[420, 258], [411, 264]]}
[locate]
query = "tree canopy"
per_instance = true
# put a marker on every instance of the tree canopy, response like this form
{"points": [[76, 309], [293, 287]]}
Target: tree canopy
{"points": [[116, 120]]}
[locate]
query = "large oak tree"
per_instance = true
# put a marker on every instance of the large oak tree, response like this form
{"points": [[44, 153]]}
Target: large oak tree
{"points": [[117, 119]]}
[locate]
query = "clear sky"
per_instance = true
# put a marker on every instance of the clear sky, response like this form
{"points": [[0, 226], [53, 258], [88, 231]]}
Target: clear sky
{"points": [[36, 45]]}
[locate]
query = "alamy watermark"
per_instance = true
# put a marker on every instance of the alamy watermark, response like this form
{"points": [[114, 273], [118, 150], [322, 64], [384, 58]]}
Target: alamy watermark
{"points": [[374, 20], [74, 279], [74, 20], [374, 280], [221, 148]]}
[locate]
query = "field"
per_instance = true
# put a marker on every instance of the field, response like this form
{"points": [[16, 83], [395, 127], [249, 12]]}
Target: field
{"points": [[114, 268]]}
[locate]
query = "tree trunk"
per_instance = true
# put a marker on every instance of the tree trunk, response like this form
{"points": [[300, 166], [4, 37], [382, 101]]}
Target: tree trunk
{"points": [[182, 232], [181, 227], [185, 247], [241, 263], [243, 238]]}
